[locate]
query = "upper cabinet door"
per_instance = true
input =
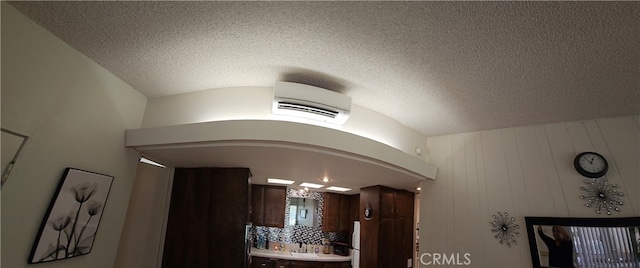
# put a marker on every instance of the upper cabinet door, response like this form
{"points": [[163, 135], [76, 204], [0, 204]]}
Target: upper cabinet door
{"points": [[331, 214], [275, 198], [257, 205], [387, 203], [345, 208], [336, 214], [354, 208], [404, 204]]}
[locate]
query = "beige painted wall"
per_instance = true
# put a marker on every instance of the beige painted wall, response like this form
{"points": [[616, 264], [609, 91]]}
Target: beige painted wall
{"points": [[75, 113], [525, 171]]}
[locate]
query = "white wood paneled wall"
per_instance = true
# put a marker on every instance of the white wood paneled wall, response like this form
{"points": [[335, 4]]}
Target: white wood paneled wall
{"points": [[525, 171]]}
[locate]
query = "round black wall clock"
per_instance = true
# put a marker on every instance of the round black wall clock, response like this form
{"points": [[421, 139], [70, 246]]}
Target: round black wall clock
{"points": [[591, 165]]}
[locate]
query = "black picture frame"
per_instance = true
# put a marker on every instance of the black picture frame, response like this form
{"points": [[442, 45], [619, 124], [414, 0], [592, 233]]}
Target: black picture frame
{"points": [[533, 222], [71, 223]]}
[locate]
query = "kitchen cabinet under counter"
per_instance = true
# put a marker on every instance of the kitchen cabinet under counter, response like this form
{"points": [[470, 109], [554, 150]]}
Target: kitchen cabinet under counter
{"points": [[262, 258]]}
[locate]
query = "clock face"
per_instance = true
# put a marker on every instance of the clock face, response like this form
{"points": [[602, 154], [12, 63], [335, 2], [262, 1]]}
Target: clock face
{"points": [[590, 164]]}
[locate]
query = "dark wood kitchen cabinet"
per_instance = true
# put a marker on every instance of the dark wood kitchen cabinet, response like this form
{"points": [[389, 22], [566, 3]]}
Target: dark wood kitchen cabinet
{"points": [[396, 225], [387, 238], [268, 205], [208, 205], [337, 213], [354, 207], [262, 262], [354, 215], [331, 212], [397, 232], [395, 203], [298, 264], [337, 265]]}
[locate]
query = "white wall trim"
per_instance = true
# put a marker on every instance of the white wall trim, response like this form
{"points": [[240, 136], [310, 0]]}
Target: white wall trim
{"points": [[278, 134]]}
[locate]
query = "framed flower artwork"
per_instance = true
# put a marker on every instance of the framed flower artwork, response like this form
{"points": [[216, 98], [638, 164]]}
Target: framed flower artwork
{"points": [[71, 223]]}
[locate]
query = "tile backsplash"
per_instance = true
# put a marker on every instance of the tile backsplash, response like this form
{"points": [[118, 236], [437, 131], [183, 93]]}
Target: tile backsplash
{"points": [[297, 233]]}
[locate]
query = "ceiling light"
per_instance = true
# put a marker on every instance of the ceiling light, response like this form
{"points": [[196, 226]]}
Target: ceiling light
{"points": [[418, 188], [306, 188], [311, 185], [339, 189], [151, 162], [325, 179], [279, 181]]}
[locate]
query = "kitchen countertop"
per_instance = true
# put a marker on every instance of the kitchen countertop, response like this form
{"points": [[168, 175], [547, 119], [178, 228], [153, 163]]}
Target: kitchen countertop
{"points": [[286, 255]]}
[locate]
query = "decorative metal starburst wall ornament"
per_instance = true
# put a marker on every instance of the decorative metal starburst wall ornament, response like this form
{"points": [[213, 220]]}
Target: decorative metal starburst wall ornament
{"points": [[505, 228], [601, 195]]}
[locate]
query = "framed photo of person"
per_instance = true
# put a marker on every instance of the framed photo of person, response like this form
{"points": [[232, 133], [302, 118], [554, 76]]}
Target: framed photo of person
{"points": [[584, 242]]}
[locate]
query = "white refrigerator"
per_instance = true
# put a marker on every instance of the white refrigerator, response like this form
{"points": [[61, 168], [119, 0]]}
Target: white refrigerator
{"points": [[355, 241]]}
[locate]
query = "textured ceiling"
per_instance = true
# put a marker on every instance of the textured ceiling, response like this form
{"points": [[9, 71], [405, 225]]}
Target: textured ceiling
{"points": [[437, 67]]}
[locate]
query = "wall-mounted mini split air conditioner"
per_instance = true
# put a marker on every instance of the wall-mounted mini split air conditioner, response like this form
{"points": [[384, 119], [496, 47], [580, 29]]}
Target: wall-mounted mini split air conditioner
{"points": [[305, 101]]}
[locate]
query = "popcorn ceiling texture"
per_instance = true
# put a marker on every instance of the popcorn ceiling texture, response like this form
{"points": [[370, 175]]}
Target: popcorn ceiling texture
{"points": [[436, 67]]}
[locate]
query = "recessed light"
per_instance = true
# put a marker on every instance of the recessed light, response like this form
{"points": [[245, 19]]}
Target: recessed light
{"points": [[279, 181], [418, 188], [339, 189], [325, 179], [311, 185]]}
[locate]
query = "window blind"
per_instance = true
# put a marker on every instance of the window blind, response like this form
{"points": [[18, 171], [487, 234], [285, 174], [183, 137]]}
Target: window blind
{"points": [[606, 246]]}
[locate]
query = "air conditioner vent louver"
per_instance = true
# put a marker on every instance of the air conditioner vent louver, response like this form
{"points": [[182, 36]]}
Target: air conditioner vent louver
{"points": [[309, 102], [307, 108]]}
